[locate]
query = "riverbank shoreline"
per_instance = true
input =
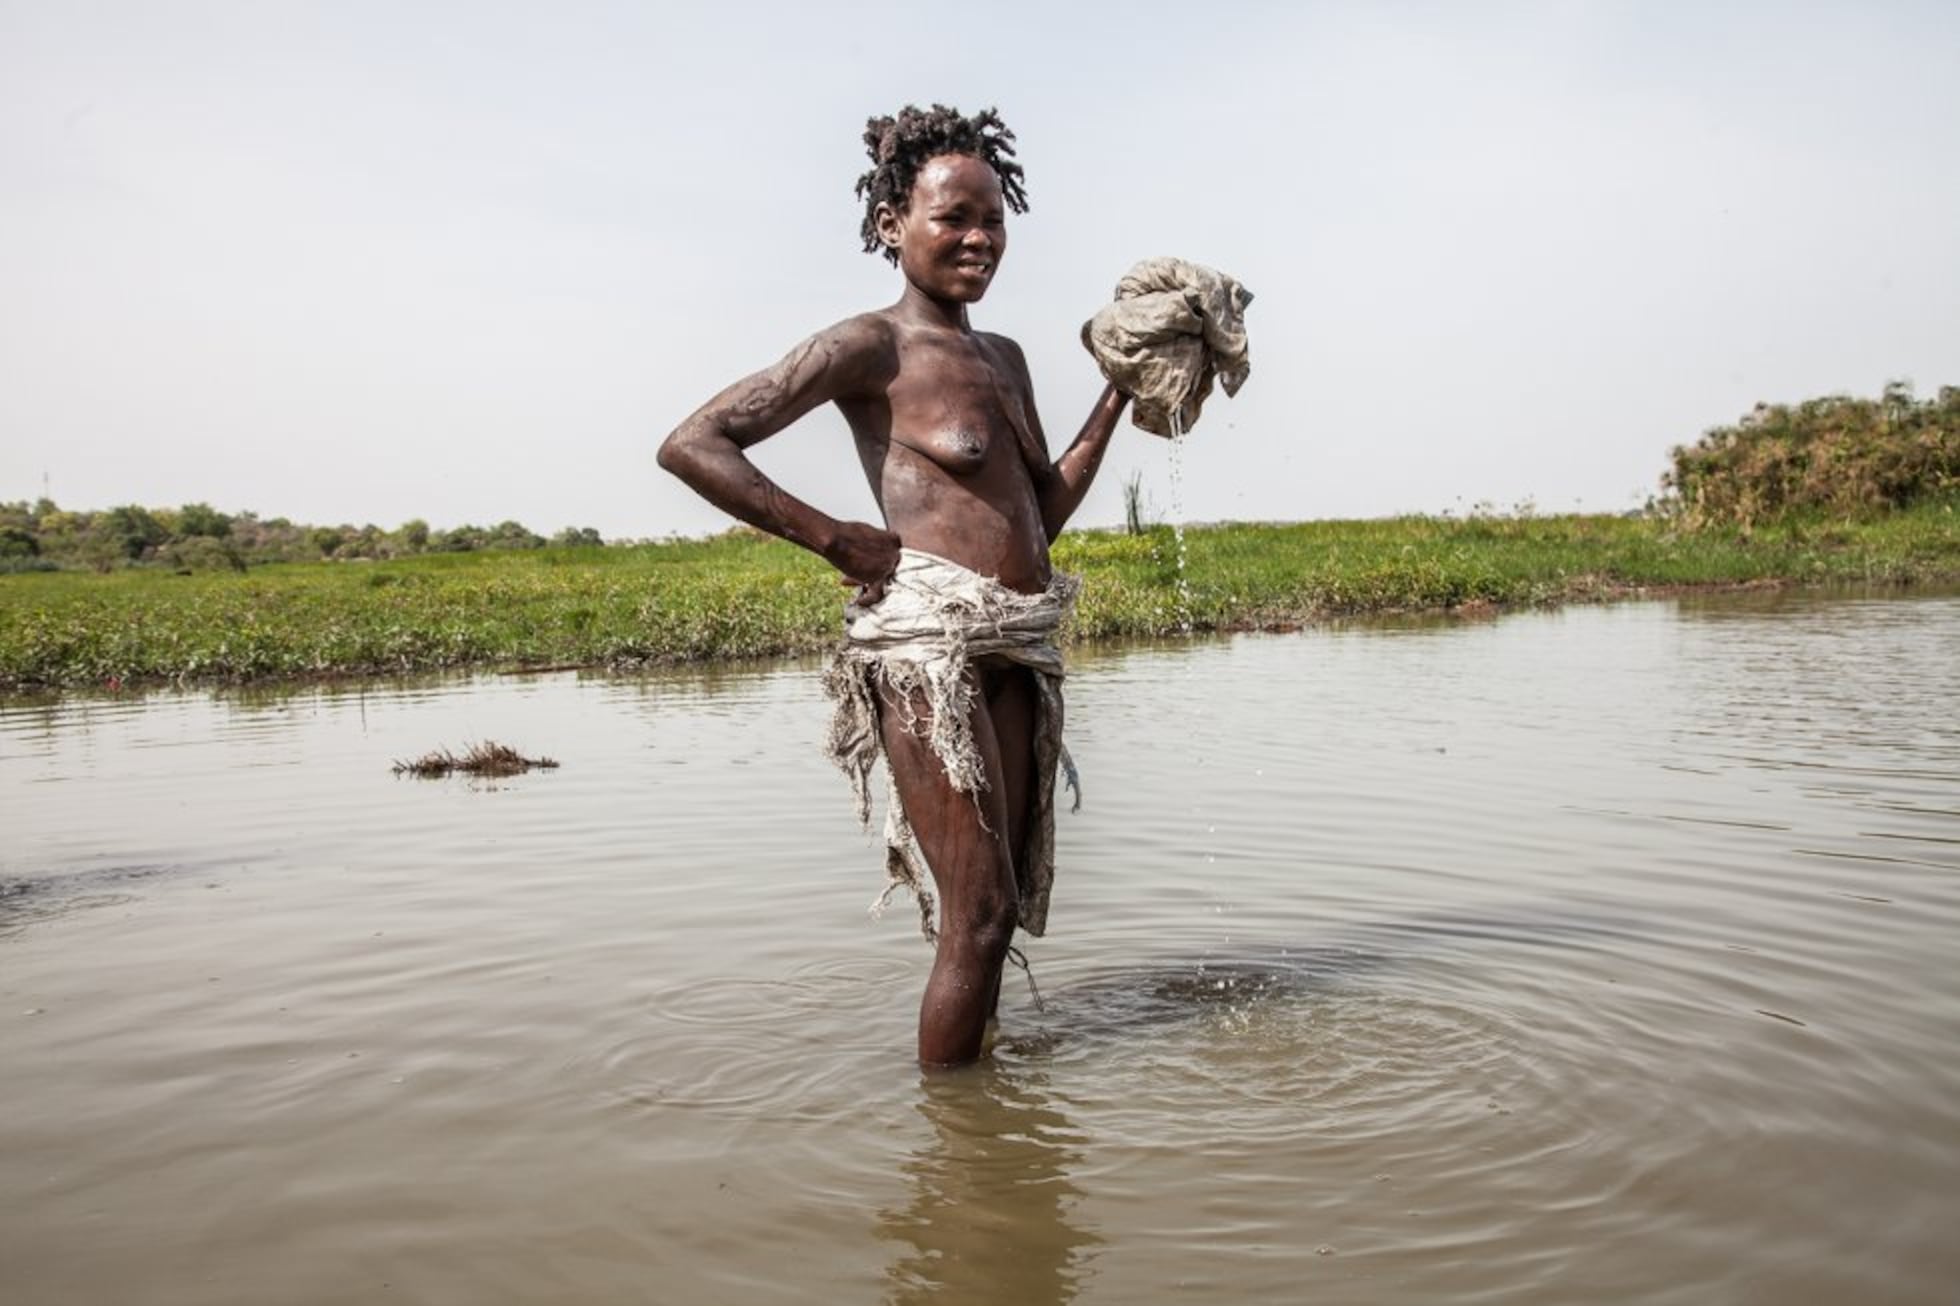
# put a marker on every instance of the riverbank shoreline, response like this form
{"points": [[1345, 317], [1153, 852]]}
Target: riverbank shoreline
{"points": [[740, 597]]}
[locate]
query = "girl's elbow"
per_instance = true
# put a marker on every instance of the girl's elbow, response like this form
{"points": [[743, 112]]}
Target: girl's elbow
{"points": [[676, 452]]}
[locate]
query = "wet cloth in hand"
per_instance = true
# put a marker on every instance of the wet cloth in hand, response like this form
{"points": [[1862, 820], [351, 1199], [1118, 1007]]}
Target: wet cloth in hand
{"points": [[1173, 326], [912, 649]]}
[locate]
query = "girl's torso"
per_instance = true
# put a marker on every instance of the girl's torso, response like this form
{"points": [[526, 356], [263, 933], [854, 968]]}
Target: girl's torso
{"points": [[951, 454]]}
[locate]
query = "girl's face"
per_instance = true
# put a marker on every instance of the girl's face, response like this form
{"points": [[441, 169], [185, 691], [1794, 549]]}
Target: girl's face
{"points": [[953, 231]]}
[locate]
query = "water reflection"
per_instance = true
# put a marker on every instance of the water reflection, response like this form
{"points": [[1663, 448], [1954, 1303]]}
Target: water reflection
{"points": [[991, 1215]]}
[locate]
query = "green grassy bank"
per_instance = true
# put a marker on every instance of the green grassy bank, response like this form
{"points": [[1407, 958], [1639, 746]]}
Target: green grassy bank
{"points": [[743, 596]]}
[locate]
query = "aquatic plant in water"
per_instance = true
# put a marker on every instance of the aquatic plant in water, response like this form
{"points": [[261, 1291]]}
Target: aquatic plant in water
{"points": [[484, 758]]}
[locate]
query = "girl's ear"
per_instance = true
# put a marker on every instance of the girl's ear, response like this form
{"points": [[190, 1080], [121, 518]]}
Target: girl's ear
{"points": [[886, 219]]}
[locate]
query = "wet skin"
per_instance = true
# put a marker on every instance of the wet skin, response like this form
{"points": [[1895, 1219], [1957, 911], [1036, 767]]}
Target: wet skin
{"points": [[946, 429]]}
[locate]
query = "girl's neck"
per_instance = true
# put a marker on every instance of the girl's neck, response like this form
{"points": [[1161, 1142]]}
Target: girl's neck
{"points": [[916, 305]]}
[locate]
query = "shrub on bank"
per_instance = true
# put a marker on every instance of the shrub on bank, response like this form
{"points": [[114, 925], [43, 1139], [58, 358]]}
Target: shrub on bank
{"points": [[1839, 456], [41, 536]]}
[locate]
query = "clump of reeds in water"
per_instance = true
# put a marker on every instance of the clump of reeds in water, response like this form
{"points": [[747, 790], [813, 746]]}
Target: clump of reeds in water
{"points": [[478, 759]]}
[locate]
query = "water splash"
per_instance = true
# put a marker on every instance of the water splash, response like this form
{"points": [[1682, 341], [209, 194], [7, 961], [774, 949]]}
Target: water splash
{"points": [[1177, 520]]}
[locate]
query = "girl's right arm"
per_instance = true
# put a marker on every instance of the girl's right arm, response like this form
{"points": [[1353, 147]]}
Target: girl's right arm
{"points": [[855, 357]]}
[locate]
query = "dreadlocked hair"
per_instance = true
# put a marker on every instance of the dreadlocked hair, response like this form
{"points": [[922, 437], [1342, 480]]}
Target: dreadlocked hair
{"points": [[900, 146]]}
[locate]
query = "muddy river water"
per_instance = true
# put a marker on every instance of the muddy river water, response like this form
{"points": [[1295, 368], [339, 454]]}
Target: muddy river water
{"points": [[1603, 955]]}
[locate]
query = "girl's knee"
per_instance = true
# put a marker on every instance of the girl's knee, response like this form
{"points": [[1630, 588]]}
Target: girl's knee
{"points": [[985, 928]]}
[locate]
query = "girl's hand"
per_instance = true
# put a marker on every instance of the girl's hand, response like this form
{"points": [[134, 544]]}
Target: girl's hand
{"points": [[865, 556]]}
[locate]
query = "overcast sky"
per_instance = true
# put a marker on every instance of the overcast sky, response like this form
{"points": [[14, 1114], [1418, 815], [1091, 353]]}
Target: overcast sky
{"points": [[467, 262]]}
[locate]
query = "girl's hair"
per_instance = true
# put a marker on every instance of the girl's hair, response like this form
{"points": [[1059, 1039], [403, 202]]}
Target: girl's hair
{"points": [[900, 146]]}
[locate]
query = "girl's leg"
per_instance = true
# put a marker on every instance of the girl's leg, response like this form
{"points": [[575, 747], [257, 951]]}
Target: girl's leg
{"points": [[965, 846]]}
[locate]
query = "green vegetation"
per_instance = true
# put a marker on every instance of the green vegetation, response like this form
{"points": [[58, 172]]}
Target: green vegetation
{"points": [[1835, 489], [42, 536], [742, 595], [1837, 455]]}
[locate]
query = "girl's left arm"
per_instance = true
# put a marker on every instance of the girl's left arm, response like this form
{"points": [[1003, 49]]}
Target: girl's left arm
{"points": [[1068, 478]]}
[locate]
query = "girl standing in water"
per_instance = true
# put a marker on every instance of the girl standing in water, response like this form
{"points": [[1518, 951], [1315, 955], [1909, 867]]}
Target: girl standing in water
{"points": [[950, 669]]}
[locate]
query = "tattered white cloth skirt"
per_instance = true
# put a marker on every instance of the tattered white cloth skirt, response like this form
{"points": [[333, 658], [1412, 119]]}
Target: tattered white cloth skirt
{"points": [[916, 645]]}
